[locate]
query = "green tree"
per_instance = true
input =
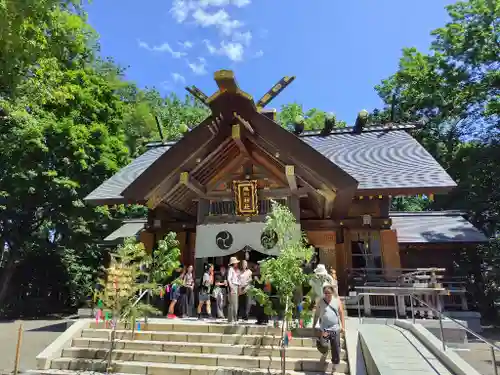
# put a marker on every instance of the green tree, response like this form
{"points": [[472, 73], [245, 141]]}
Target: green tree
{"points": [[455, 88], [284, 272], [314, 119]]}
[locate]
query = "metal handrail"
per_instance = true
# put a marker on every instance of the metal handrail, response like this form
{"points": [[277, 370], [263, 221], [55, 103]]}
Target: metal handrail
{"points": [[492, 346], [364, 294]]}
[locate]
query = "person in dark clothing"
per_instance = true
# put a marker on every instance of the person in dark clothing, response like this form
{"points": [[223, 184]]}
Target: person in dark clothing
{"points": [[220, 291], [188, 281], [259, 310], [175, 292]]}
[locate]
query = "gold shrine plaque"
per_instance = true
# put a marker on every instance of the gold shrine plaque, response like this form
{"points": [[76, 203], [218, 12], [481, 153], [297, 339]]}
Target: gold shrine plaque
{"points": [[245, 193]]}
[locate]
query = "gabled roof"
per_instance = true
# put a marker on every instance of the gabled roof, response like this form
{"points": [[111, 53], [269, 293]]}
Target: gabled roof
{"points": [[383, 160], [379, 160], [110, 191], [434, 227]]}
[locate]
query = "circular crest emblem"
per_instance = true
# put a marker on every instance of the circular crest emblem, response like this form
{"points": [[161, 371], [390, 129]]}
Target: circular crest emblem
{"points": [[268, 239], [224, 240]]}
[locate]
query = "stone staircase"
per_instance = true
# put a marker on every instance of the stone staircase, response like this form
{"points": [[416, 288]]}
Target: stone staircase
{"points": [[194, 348]]}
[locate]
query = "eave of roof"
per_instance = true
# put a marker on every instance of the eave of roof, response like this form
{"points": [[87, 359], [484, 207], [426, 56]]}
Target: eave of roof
{"points": [[383, 159], [435, 227]]}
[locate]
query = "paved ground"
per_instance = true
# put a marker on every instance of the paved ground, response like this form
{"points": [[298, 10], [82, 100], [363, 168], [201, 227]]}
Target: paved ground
{"points": [[37, 335]]}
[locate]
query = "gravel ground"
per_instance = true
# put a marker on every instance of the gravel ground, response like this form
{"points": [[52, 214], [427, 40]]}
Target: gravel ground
{"points": [[37, 335]]}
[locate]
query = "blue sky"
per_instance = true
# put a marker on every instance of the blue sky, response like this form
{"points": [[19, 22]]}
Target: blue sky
{"points": [[338, 50]]}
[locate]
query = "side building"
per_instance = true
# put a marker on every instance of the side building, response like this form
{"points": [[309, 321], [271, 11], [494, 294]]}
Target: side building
{"points": [[214, 188]]}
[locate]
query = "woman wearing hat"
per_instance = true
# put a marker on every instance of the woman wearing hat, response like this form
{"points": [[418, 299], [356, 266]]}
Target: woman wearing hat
{"points": [[233, 281], [318, 281]]}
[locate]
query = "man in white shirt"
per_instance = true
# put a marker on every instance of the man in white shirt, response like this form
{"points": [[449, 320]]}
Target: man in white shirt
{"points": [[233, 282]]}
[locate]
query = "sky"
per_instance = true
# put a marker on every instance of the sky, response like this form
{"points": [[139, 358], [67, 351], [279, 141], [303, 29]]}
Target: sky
{"points": [[338, 50]]}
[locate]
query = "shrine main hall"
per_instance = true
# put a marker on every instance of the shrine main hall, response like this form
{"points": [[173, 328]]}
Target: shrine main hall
{"points": [[215, 185]]}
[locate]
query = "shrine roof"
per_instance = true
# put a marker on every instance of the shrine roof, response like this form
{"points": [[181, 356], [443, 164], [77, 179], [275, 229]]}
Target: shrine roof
{"points": [[434, 227], [383, 159]]}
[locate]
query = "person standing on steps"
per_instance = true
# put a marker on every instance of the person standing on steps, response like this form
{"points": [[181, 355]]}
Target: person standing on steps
{"points": [[175, 291], [318, 280], [233, 282], [220, 291], [207, 281], [188, 283], [330, 320], [245, 301]]}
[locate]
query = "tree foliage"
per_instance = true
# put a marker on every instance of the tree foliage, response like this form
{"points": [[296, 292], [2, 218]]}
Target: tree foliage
{"points": [[314, 119], [285, 272], [68, 121], [456, 89]]}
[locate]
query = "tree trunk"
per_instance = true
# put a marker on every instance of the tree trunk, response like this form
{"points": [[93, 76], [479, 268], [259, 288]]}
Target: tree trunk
{"points": [[5, 278]]}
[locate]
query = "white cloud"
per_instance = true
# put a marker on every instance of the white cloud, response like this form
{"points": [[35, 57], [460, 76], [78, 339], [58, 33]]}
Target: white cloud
{"points": [[223, 3], [245, 37], [165, 47], [198, 68], [180, 9], [210, 47], [186, 45], [178, 78], [233, 51], [220, 19]]}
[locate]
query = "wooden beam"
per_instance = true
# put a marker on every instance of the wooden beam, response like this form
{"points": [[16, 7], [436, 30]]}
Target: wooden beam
{"points": [[232, 165], [275, 171], [263, 194], [274, 91], [236, 136], [290, 177], [225, 81], [192, 184], [198, 94], [244, 122]]}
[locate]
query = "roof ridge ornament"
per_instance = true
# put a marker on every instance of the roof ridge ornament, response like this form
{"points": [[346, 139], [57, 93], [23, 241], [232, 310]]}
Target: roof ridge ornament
{"points": [[274, 91]]}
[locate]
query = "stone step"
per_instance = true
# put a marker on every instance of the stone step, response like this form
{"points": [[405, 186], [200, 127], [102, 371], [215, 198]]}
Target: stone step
{"points": [[181, 370], [206, 365], [206, 327], [207, 348], [214, 338]]}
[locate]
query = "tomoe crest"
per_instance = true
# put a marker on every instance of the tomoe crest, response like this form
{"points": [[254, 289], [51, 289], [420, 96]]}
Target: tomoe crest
{"points": [[224, 240]]}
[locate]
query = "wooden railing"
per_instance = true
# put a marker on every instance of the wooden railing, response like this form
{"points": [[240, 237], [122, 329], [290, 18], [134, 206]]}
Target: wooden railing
{"points": [[429, 284]]}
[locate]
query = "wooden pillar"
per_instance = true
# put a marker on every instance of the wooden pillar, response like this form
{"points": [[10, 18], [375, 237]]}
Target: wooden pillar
{"points": [[181, 237], [191, 247], [343, 262], [390, 252], [148, 240], [327, 256]]}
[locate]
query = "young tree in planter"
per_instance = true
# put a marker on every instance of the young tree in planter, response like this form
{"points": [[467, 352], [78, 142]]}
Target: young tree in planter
{"points": [[133, 270], [285, 272], [125, 278]]}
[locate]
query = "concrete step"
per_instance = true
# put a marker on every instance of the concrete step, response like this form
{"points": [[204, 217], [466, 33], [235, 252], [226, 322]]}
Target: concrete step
{"points": [[206, 327], [186, 347], [196, 337], [205, 365], [193, 370]]}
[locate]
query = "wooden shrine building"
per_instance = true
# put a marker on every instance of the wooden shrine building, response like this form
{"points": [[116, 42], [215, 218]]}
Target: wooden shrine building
{"points": [[213, 187]]}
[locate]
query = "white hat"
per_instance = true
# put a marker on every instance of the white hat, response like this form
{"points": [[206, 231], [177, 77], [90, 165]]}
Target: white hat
{"points": [[233, 260], [321, 270]]}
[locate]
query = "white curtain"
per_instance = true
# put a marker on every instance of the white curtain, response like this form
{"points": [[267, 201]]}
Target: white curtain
{"points": [[218, 240]]}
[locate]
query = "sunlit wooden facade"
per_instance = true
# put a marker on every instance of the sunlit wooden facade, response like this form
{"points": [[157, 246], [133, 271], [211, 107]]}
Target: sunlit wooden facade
{"points": [[213, 187]]}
